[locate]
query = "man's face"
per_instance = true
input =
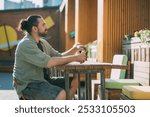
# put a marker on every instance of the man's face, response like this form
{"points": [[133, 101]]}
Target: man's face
{"points": [[42, 28]]}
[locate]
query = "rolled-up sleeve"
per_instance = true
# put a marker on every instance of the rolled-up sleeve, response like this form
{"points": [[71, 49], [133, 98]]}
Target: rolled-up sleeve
{"points": [[50, 50]]}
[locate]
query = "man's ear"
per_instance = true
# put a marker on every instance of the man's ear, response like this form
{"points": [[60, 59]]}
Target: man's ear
{"points": [[34, 28]]}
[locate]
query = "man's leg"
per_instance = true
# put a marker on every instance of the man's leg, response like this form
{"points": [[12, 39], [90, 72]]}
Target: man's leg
{"points": [[73, 88], [60, 82], [61, 95], [43, 91]]}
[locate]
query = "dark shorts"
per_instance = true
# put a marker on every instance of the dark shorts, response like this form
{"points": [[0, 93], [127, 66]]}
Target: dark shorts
{"points": [[44, 90]]}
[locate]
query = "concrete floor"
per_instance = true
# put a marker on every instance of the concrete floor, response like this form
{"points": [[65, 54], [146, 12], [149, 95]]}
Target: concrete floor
{"points": [[6, 89]]}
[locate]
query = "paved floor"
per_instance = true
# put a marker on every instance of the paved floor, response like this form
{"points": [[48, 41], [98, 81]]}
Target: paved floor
{"points": [[6, 89]]}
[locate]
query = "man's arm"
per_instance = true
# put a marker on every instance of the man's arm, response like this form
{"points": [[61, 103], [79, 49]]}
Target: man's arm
{"points": [[54, 61], [74, 49]]}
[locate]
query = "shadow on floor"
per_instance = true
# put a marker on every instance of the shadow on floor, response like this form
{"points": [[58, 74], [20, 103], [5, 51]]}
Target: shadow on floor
{"points": [[6, 81], [7, 91]]}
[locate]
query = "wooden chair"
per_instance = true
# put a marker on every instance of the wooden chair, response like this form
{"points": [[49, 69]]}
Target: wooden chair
{"points": [[117, 79], [114, 87]]}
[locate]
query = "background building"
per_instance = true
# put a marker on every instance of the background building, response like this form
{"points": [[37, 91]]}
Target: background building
{"points": [[23, 4], [19, 5], [47, 3]]}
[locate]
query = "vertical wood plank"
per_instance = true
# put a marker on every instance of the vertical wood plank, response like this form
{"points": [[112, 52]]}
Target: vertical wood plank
{"points": [[86, 21], [69, 22]]}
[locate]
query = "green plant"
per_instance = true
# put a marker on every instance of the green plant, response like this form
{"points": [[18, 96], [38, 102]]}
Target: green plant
{"points": [[143, 34]]}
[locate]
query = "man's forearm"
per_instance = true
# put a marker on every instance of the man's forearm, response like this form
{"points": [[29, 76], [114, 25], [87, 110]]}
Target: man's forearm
{"points": [[60, 60], [71, 51]]}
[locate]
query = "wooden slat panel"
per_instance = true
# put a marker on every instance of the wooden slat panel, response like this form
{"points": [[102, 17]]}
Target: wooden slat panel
{"points": [[139, 69], [142, 81], [142, 74], [147, 54], [142, 64], [149, 12], [69, 22], [86, 21], [122, 17]]}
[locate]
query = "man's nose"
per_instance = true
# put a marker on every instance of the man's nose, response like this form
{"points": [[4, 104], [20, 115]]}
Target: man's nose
{"points": [[46, 27]]}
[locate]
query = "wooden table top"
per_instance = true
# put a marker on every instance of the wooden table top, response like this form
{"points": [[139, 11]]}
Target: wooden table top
{"points": [[89, 65]]}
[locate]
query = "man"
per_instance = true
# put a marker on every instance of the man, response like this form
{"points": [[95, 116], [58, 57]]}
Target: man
{"points": [[32, 58]]}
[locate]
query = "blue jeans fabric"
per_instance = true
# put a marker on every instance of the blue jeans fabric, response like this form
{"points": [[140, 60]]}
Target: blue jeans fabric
{"points": [[44, 90]]}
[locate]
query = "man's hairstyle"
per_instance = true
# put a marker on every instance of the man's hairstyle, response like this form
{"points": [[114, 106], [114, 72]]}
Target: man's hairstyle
{"points": [[28, 23]]}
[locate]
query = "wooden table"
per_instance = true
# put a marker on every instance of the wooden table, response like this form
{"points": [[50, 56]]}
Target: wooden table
{"points": [[87, 68]]}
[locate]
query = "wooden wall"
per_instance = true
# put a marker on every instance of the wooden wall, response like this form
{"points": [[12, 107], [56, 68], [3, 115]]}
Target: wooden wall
{"points": [[12, 18], [70, 23], [62, 40], [120, 17], [106, 21], [149, 12], [86, 21]]}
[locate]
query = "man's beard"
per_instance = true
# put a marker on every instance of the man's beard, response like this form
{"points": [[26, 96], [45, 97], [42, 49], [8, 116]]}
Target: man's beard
{"points": [[44, 34]]}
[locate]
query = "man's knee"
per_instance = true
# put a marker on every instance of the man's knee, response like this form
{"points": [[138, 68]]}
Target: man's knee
{"points": [[61, 95]]}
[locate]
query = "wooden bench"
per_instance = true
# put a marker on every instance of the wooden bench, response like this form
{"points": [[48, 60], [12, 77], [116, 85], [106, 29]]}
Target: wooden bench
{"points": [[142, 72], [141, 75]]}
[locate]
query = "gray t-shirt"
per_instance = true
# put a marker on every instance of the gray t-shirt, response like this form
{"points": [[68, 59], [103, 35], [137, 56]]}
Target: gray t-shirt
{"points": [[30, 61]]}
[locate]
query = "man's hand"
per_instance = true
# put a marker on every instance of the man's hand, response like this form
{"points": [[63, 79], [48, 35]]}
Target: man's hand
{"points": [[79, 48], [81, 57]]}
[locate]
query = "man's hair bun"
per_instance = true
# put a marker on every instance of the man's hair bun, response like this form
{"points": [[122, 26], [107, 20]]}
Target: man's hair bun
{"points": [[24, 25], [27, 24]]}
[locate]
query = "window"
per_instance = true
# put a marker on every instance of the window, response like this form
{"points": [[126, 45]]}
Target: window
{"points": [[25, 4]]}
